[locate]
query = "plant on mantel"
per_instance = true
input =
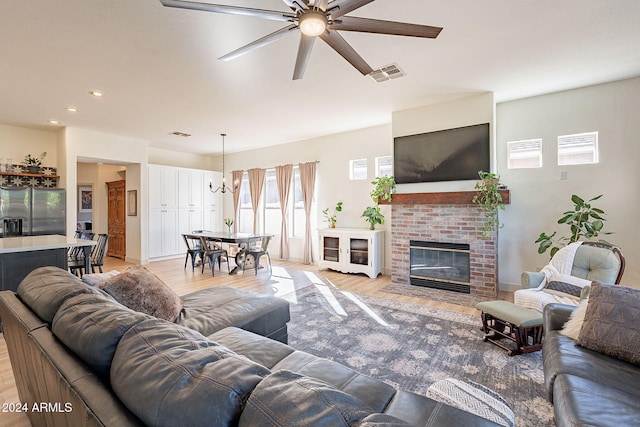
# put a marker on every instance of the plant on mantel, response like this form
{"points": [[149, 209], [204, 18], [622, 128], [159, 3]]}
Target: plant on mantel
{"points": [[488, 197], [584, 220], [385, 186]]}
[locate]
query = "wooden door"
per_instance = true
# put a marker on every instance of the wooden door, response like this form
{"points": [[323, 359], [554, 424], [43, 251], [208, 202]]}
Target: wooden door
{"points": [[116, 216]]}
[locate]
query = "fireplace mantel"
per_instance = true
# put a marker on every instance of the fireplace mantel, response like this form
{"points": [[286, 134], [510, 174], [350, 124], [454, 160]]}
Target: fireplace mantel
{"points": [[443, 198]]}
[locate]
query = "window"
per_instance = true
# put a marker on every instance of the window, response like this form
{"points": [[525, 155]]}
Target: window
{"points": [[272, 214], [358, 169], [245, 216], [524, 154], [269, 210], [578, 149], [384, 166]]}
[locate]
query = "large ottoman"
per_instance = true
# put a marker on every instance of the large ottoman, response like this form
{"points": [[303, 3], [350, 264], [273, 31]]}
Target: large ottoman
{"points": [[213, 309]]}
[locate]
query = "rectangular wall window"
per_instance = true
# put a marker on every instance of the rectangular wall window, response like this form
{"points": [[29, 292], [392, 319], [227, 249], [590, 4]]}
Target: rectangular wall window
{"points": [[384, 166], [578, 149], [245, 220], [524, 154], [358, 169]]}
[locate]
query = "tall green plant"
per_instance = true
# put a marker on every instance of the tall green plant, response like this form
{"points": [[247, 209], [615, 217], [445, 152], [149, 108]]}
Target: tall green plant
{"points": [[584, 220], [488, 197]]}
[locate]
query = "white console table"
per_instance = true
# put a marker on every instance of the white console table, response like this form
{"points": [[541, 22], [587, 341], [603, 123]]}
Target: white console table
{"points": [[352, 250]]}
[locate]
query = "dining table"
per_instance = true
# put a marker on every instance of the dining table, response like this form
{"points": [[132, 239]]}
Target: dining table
{"points": [[240, 239]]}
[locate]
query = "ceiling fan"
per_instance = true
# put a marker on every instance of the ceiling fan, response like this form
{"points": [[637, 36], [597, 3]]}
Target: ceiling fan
{"points": [[314, 18]]}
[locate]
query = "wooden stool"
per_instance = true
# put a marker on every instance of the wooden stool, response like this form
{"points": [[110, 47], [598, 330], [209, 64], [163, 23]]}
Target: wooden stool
{"points": [[504, 320]]}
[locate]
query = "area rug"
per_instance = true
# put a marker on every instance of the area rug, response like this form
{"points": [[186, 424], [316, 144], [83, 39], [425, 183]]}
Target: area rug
{"points": [[411, 346], [433, 294]]}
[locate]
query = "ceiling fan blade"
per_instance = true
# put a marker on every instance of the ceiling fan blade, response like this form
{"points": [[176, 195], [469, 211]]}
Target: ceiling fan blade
{"points": [[366, 25], [231, 10], [304, 53], [320, 4], [337, 8], [296, 5], [340, 45], [268, 39]]}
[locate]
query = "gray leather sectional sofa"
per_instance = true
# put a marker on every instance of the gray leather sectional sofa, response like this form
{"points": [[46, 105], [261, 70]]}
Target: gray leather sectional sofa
{"points": [[107, 365], [587, 388]]}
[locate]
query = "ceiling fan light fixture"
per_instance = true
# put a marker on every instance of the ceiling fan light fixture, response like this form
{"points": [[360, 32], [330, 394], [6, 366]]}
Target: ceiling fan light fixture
{"points": [[312, 23]]}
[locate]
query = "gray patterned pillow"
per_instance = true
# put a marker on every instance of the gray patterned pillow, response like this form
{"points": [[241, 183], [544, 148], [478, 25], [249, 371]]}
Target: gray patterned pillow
{"points": [[566, 285], [612, 322]]}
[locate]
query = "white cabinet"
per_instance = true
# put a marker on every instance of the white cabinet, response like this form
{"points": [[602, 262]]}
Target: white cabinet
{"points": [[213, 203], [190, 220], [164, 238], [352, 250], [191, 185], [180, 202], [163, 187]]}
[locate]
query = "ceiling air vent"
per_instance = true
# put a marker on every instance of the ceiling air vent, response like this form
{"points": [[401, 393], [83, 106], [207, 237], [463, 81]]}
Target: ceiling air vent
{"points": [[386, 73], [182, 134]]}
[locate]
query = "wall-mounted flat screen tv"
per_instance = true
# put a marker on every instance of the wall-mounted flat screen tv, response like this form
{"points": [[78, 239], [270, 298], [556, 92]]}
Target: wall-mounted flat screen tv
{"points": [[445, 155]]}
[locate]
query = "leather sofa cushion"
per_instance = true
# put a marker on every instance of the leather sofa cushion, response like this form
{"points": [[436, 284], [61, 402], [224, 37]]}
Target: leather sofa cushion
{"points": [[581, 402], [45, 289], [277, 356], [91, 326], [285, 398], [611, 322], [141, 290], [562, 356], [169, 375], [213, 309]]}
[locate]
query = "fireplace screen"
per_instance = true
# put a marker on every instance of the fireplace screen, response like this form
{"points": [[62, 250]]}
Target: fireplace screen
{"points": [[440, 265]]}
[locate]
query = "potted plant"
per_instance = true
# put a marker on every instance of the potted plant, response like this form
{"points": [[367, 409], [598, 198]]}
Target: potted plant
{"points": [[373, 216], [584, 221], [384, 187], [330, 217], [33, 163], [488, 197]]}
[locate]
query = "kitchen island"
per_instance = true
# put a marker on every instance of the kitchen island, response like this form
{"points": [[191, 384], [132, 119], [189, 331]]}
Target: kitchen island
{"points": [[21, 255]]}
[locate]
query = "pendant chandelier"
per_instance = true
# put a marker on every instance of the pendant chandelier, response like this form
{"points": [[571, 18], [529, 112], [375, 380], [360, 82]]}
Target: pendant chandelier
{"points": [[224, 187]]}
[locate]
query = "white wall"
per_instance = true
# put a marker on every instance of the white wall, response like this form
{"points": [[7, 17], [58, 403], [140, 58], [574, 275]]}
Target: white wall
{"points": [[333, 184], [539, 196], [158, 156], [17, 142]]}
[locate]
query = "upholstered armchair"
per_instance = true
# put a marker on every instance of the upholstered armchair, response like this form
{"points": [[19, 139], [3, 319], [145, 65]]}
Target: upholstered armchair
{"points": [[593, 261]]}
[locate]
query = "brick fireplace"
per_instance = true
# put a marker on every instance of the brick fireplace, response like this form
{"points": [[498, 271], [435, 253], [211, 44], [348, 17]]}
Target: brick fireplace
{"points": [[446, 218]]}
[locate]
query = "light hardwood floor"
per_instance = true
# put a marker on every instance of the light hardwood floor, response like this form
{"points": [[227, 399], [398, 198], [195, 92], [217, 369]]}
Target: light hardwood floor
{"points": [[286, 277]]}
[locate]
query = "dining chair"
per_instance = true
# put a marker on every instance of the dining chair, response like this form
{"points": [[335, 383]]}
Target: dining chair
{"points": [[98, 251], [75, 255], [194, 249], [212, 251], [256, 248]]}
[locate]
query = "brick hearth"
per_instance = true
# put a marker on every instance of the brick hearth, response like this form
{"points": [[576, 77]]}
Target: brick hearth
{"points": [[455, 221]]}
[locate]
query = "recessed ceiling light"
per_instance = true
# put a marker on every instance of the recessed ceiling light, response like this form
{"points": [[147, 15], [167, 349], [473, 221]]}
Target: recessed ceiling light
{"points": [[54, 122], [72, 109], [96, 93]]}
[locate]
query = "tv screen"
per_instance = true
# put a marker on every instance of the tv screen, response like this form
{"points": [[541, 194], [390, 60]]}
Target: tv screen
{"points": [[446, 155]]}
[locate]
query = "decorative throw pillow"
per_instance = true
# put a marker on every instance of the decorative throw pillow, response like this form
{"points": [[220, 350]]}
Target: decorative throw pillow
{"points": [[612, 322], [141, 290], [95, 279], [566, 285], [572, 328]]}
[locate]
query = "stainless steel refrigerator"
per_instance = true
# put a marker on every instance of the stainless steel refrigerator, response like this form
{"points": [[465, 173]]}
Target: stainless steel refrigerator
{"points": [[32, 211]]}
